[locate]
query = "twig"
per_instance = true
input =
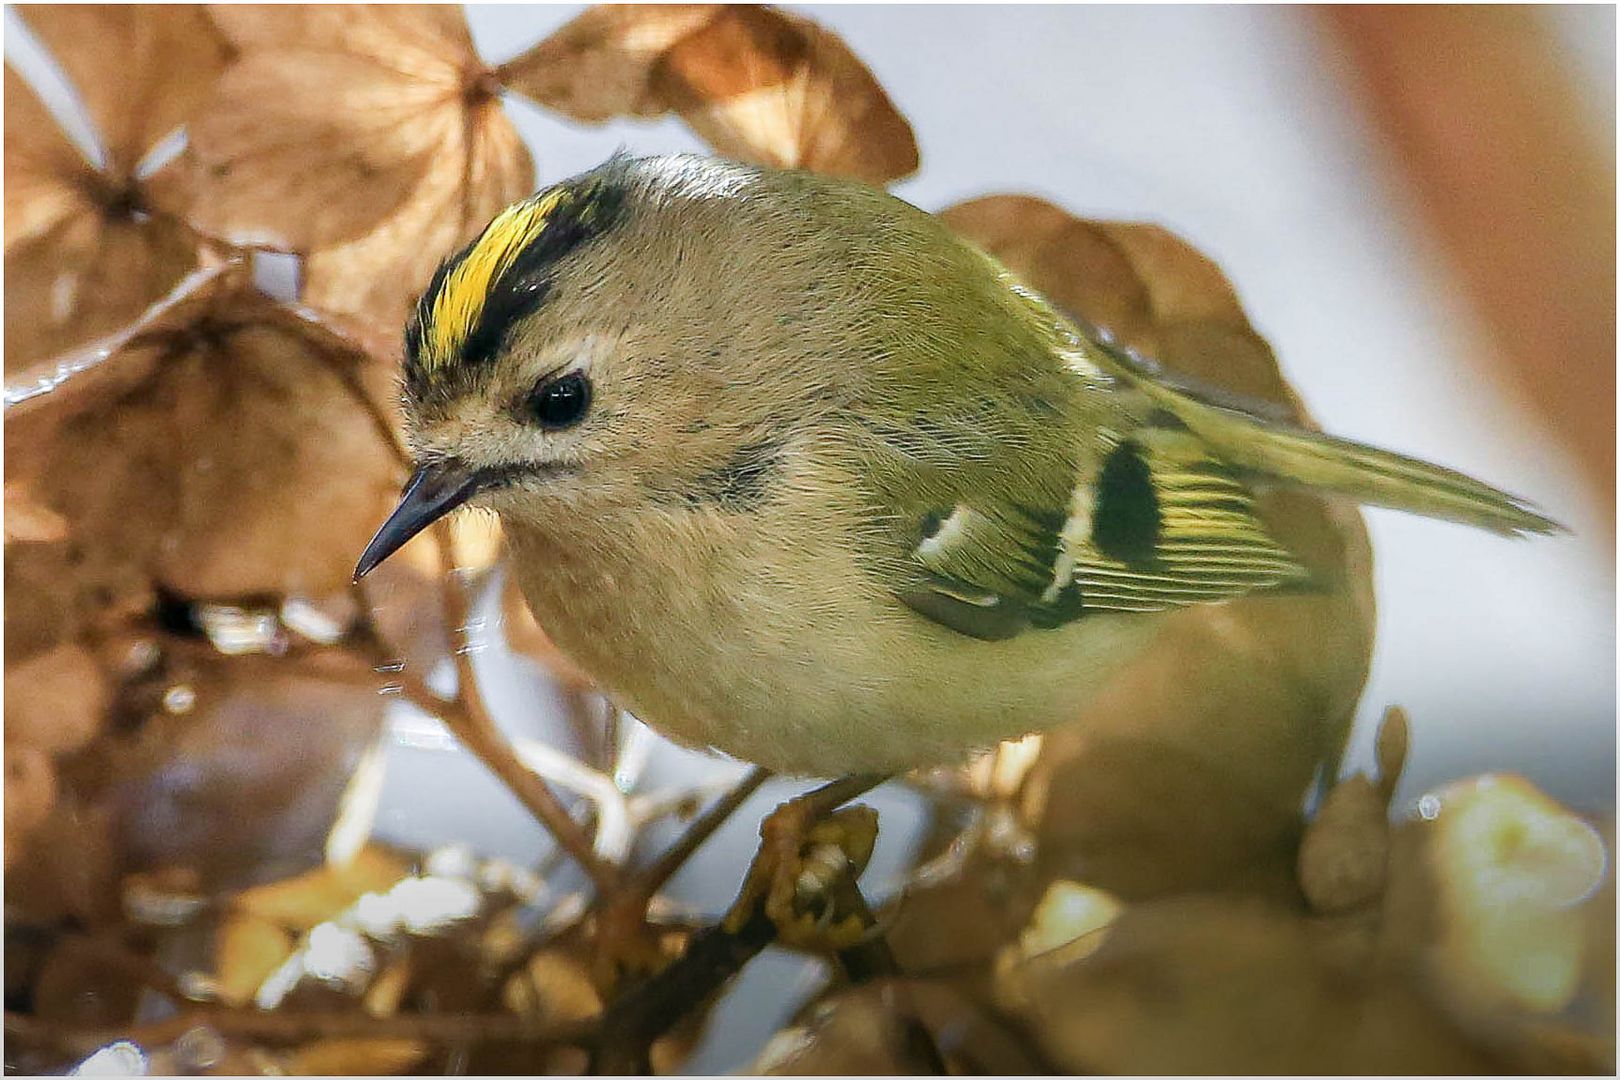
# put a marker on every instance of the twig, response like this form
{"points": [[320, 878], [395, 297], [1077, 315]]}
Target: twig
{"points": [[636, 1020], [872, 958], [468, 720], [479, 733], [653, 878], [294, 1027]]}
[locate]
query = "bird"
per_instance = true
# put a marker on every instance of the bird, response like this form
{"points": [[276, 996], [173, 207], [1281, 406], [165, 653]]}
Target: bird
{"points": [[798, 474]]}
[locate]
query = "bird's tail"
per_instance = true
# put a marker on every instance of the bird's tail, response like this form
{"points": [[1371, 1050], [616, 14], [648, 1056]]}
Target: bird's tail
{"points": [[1286, 454]]}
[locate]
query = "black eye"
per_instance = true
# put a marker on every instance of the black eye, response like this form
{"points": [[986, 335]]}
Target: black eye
{"points": [[561, 402]]}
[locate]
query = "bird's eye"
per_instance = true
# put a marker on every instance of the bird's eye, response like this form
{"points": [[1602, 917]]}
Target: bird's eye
{"points": [[562, 402]]}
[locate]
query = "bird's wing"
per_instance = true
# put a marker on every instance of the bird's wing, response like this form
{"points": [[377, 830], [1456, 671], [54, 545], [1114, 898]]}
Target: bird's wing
{"points": [[1149, 521]]}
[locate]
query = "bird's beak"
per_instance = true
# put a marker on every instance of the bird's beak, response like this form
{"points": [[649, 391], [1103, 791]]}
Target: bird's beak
{"points": [[433, 491]]}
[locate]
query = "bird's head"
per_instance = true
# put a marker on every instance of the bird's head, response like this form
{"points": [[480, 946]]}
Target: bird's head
{"points": [[581, 349]]}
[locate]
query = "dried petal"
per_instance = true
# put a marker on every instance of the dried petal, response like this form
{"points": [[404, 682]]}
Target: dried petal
{"points": [[55, 701], [46, 176], [282, 167], [1190, 767], [1514, 870], [141, 70], [1224, 984], [317, 895], [236, 769], [477, 170], [370, 137], [226, 446], [755, 82], [27, 522], [1345, 850], [85, 253], [1389, 750], [425, 41], [357, 1057], [246, 950], [30, 793]]}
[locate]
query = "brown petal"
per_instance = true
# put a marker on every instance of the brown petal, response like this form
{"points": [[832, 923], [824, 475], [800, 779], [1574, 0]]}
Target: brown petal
{"points": [[601, 64], [305, 147], [30, 793], [756, 83], [1190, 767], [470, 180], [227, 446], [428, 42], [56, 700], [235, 772], [1224, 984], [27, 522], [86, 277], [140, 69], [45, 174]]}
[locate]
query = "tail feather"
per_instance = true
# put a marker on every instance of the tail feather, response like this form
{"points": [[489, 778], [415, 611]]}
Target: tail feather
{"points": [[1282, 453], [1380, 478]]}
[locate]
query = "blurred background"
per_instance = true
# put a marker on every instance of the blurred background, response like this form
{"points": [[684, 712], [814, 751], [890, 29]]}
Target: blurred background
{"points": [[1416, 207]]}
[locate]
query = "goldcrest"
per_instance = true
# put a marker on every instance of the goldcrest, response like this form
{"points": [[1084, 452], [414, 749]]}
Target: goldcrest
{"points": [[797, 473]]}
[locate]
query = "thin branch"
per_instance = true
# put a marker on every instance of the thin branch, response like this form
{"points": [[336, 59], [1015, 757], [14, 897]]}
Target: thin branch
{"points": [[294, 1027], [636, 1020], [478, 731], [468, 719], [650, 880]]}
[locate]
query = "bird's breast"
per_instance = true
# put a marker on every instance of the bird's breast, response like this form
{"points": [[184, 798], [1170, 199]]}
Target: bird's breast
{"points": [[705, 631]]}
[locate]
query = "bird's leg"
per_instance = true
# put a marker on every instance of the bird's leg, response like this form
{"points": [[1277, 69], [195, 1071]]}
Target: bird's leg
{"points": [[805, 845]]}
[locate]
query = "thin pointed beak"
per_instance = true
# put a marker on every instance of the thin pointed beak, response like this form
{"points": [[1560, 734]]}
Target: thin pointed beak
{"points": [[433, 491]]}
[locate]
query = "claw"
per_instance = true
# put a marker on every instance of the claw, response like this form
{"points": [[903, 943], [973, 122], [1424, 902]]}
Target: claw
{"points": [[800, 862]]}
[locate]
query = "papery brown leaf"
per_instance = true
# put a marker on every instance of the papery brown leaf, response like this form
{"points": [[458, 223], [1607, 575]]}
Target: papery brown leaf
{"points": [[356, 1057], [235, 771], [1225, 984], [30, 792], [247, 950], [755, 82], [299, 903], [141, 70], [478, 170], [1189, 768], [55, 701], [225, 446], [370, 137], [86, 252]]}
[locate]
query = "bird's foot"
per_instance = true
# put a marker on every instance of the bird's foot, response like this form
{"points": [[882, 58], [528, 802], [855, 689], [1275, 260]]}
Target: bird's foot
{"points": [[803, 856]]}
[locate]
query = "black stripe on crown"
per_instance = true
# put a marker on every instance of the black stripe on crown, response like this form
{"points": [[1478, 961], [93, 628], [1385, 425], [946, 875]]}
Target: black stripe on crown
{"points": [[589, 207]]}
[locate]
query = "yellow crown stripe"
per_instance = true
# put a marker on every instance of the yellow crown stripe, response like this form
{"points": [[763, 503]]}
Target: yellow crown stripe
{"points": [[466, 288]]}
